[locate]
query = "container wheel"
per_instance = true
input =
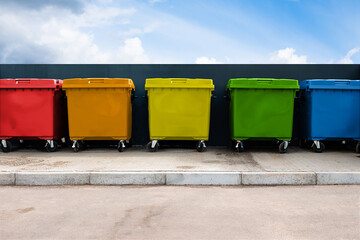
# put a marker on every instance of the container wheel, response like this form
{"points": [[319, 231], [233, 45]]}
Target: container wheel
{"points": [[320, 149], [53, 148], [358, 147], [239, 146], [8, 146], [76, 146], [200, 147], [283, 147], [152, 149], [121, 146]]}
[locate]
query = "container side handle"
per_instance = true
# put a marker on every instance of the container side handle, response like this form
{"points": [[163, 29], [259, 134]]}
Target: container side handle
{"points": [[22, 81], [179, 81], [342, 82], [91, 81], [264, 81]]}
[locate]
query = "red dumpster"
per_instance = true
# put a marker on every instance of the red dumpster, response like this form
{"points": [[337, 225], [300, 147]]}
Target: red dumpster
{"points": [[32, 109]]}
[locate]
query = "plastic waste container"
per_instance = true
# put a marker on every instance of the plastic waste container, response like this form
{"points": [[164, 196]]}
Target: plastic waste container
{"points": [[179, 109], [329, 110], [32, 109], [99, 109], [261, 109]]}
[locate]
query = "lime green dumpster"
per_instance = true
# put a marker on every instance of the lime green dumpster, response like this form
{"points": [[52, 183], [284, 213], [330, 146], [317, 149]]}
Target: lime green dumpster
{"points": [[261, 109], [179, 109]]}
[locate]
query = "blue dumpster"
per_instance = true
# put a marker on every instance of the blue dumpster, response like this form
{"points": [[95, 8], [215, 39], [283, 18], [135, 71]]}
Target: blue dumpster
{"points": [[330, 110]]}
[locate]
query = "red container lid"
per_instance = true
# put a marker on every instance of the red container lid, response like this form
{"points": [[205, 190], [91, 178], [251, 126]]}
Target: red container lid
{"points": [[30, 83]]}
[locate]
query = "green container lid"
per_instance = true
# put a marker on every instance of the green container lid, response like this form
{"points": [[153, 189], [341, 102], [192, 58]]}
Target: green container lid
{"points": [[178, 83], [262, 83]]}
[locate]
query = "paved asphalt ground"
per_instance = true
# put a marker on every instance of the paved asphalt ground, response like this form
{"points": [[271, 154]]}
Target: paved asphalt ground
{"points": [[112, 212]]}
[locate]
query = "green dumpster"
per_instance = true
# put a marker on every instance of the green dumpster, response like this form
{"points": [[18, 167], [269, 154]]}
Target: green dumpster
{"points": [[261, 109]]}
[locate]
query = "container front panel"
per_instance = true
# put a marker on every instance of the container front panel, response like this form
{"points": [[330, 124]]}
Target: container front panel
{"points": [[179, 114], [335, 114], [27, 113], [99, 113], [261, 114]]}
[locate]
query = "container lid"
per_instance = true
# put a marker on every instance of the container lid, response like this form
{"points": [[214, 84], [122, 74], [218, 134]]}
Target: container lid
{"points": [[30, 83], [262, 83], [98, 83], [179, 83], [344, 84]]}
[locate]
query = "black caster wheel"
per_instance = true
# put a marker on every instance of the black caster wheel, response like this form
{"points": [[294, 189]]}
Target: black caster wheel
{"points": [[152, 149], [120, 147], [357, 147], [318, 150], [7, 148], [200, 147], [239, 147], [76, 147], [53, 148], [283, 147]]}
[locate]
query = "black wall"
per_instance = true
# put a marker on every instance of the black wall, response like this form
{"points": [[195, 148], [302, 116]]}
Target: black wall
{"points": [[219, 133]]}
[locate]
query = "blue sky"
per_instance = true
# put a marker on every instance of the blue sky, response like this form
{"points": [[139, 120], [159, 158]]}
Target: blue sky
{"points": [[180, 31]]}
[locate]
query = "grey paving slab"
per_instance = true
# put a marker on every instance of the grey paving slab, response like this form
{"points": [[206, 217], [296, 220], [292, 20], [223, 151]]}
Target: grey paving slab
{"points": [[215, 159]]}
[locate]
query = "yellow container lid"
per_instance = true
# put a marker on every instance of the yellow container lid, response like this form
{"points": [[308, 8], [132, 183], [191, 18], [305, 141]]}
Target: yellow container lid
{"points": [[98, 83], [178, 83]]}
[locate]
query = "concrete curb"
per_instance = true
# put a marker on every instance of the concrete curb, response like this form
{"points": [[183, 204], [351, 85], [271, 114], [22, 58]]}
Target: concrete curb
{"points": [[51, 178], [7, 178], [278, 178], [204, 178], [127, 178], [178, 178], [338, 178]]}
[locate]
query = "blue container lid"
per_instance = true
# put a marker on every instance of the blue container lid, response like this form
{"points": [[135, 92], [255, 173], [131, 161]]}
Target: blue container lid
{"points": [[341, 84]]}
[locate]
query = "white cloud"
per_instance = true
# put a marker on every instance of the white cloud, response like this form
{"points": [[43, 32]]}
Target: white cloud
{"points": [[347, 58], [287, 56], [206, 60], [64, 37], [133, 51]]}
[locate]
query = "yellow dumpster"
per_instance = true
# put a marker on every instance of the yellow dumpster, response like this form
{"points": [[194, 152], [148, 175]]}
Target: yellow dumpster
{"points": [[99, 109], [179, 109]]}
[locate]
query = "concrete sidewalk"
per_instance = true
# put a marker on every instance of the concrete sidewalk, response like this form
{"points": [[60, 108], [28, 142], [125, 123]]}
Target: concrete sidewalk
{"points": [[216, 166], [133, 212]]}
